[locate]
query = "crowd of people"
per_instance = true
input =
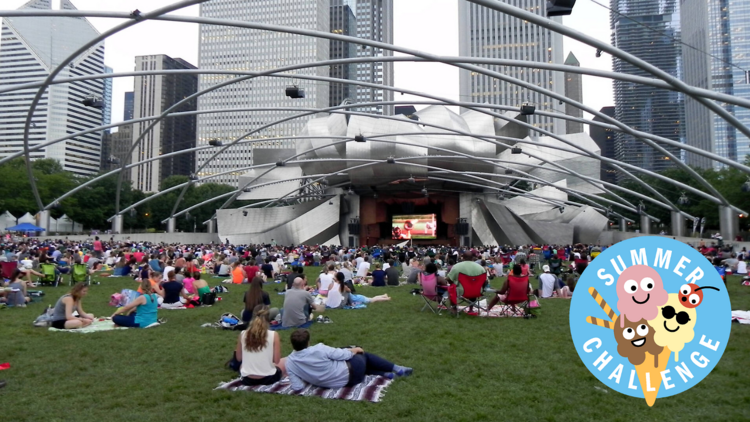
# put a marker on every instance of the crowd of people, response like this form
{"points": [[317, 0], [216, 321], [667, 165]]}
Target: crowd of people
{"points": [[176, 276]]}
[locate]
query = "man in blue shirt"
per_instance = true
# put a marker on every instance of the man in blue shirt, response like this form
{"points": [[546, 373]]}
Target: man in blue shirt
{"points": [[327, 367]]}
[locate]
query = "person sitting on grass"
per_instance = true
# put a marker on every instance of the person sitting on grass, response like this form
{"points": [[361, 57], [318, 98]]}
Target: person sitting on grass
{"points": [[327, 367], [259, 351], [62, 316], [18, 296], [145, 306], [254, 297], [392, 274], [239, 275], [200, 286], [298, 305], [175, 295], [378, 276], [325, 280]]}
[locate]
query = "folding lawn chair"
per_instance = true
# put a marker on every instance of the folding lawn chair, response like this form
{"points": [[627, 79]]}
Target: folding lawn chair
{"points": [[80, 274], [8, 268], [517, 297], [49, 274], [473, 291], [433, 298]]}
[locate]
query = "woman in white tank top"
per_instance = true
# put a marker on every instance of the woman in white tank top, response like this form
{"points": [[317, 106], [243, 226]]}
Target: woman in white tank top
{"points": [[259, 351]]}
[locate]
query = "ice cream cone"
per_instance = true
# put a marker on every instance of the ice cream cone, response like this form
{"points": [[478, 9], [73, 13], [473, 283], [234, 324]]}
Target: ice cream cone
{"points": [[649, 374]]}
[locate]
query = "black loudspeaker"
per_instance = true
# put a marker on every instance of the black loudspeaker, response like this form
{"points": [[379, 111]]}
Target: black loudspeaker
{"points": [[354, 229], [462, 229], [295, 92], [351, 242], [467, 241], [560, 7]]}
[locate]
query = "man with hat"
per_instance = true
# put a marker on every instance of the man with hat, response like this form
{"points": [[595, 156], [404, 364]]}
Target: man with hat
{"points": [[548, 283]]}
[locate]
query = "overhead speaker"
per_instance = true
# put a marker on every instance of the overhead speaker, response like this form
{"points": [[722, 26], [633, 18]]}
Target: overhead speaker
{"points": [[354, 229], [462, 229], [295, 92], [560, 7]]}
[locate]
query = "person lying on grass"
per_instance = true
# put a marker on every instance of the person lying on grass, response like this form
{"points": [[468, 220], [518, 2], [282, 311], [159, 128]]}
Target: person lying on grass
{"points": [[327, 367], [62, 316], [341, 294], [145, 305], [259, 351]]}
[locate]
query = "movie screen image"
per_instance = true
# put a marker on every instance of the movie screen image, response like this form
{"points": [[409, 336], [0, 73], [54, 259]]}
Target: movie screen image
{"points": [[414, 226]]}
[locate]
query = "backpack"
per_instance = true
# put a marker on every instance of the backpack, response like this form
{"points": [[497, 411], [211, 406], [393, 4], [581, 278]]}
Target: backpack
{"points": [[208, 298], [220, 289], [45, 319], [228, 321]]}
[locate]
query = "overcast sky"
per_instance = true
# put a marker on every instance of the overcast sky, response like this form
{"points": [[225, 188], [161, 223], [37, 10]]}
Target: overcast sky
{"points": [[426, 25]]}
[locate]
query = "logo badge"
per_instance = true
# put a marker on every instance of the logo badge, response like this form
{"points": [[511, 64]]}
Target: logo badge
{"points": [[650, 317]]}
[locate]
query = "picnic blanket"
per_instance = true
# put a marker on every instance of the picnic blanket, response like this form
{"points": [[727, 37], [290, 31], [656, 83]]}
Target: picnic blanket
{"points": [[281, 327], [743, 317], [371, 389], [97, 326], [496, 312]]}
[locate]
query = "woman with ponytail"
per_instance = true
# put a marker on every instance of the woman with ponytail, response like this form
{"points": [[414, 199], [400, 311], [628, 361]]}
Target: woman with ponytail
{"points": [[259, 351]]}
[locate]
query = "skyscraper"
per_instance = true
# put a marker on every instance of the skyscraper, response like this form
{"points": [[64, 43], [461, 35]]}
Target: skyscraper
{"points": [[721, 29], [229, 48], [30, 49], [650, 30], [107, 110], [605, 140], [343, 22], [375, 22], [574, 91], [487, 33], [153, 95], [128, 111]]}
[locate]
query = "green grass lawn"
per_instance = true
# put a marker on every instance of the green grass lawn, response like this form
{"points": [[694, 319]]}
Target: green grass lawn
{"points": [[466, 369]]}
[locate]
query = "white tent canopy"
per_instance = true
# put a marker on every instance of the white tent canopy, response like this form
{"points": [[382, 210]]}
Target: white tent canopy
{"points": [[27, 218], [7, 220]]}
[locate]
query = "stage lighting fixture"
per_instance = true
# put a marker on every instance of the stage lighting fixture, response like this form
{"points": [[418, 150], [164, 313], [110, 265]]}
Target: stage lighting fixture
{"points": [[508, 171], [412, 179], [516, 150], [391, 160], [560, 7], [193, 177], [527, 109], [598, 52], [684, 200], [295, 92], [562, 210], [375, 195], [360, 138], [244, 213], [214, 142], [350, 191], [330, 202], [280, 163], [424, 191]]}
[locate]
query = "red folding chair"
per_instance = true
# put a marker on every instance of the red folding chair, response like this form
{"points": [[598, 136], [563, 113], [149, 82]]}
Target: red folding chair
{"points": [[8, 268], [473, 291], [433, 298], [517, 296]]}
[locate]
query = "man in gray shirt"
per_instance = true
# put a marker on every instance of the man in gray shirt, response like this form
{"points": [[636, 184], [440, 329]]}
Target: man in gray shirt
{"points": [[298, 305]]}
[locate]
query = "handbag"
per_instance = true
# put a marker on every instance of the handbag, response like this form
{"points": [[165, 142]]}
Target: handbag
{"points": [[208, 298]]}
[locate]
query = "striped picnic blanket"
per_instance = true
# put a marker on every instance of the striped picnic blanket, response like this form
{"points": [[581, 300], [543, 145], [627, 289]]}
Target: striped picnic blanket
{"points": [[371, 389]]}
